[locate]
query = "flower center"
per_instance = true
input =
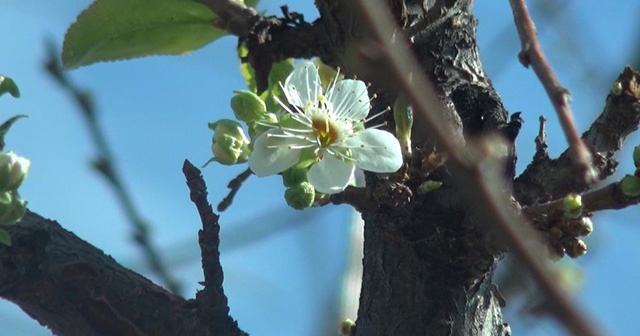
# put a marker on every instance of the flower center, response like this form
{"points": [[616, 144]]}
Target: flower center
{"points": [[325, 130]]}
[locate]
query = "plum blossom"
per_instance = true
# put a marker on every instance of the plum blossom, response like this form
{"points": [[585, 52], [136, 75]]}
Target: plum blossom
{"points": [[329, 127]]}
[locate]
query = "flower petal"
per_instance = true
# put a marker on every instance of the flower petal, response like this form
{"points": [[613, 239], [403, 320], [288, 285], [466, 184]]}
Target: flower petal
{"points": [[330, 175], [349, 99], [303, 85], [375, 150], [273, 153]]}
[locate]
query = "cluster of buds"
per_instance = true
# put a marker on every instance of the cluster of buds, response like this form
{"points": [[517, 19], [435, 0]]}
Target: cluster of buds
{"points": [[565, 235], [13, 170]]}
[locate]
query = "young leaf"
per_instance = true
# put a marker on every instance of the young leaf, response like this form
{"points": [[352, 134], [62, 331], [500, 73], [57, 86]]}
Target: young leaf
{"points": [[121, 29], [4, 128], [8, 85], [251, 3]]}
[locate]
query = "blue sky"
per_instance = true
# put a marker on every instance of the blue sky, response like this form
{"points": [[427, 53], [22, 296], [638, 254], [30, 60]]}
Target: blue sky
{"points": [[155, 110]]}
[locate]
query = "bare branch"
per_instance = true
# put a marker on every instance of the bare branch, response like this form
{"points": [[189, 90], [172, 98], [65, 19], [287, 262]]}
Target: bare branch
{"points": [[532, 54], [610, 197], [74, 289], [233, 16], [234, 185], [481, 180], [105, 165], [212, 302], [545, 179]]}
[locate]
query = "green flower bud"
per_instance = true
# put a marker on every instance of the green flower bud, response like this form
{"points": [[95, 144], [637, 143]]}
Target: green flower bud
{"points": [[428, 186], [579, 227], [13, 170], [247, 106], [293, 176], [12, 207], [630, 185], [229, 144], [636, 156], [572, 206], [586, 226], [300, 196], [617, 88], [346, 327], [575, 248], [403, 117]]}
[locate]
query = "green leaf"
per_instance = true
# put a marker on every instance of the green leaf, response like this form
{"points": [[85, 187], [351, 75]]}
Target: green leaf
{"points": [[8, 85], [246, 70], [251, 3], [630, 185], [4, 128], [5, 238], [121, 29]]}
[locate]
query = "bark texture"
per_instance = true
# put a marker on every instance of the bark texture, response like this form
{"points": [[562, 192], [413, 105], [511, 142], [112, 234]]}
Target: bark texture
{"points": [[428, 258], [428, 263]]}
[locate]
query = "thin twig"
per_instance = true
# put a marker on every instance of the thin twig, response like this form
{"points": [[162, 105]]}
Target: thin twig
{"points": [[212, 302], [483, 183], [234, 185], [610, 197], [233, 16], [532, 54], [105, 165], [541, 139]]}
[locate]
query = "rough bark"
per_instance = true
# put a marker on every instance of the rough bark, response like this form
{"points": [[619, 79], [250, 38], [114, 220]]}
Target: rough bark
{"points": [[75, 289], [428, 259], [428, 264]]}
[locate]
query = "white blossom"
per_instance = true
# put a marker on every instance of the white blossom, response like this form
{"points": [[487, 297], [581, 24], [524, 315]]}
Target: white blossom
{"points": [[330, 126]]}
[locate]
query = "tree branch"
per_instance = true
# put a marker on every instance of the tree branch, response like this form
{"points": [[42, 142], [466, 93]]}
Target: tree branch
{"points": [[211, 301], [532, 54], [610, 197], [545, 179], [105, 165], [269, 39], [233, 16], [74, 289], [477, 174]]}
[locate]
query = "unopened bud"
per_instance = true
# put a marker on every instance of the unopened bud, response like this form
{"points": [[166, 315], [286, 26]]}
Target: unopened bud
{"points": [[300, 196], [12, 207], [403, 117], [247, 106], [13, 170], [428, 186], [293, 176], [346, 327], [617, 88], [572, 206], [229, 144], [630, 185], [575, 248]]}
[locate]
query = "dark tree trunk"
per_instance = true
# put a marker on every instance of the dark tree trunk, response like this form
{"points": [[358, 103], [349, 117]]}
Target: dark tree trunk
{"points": [[428, 259], [428, 265]]}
